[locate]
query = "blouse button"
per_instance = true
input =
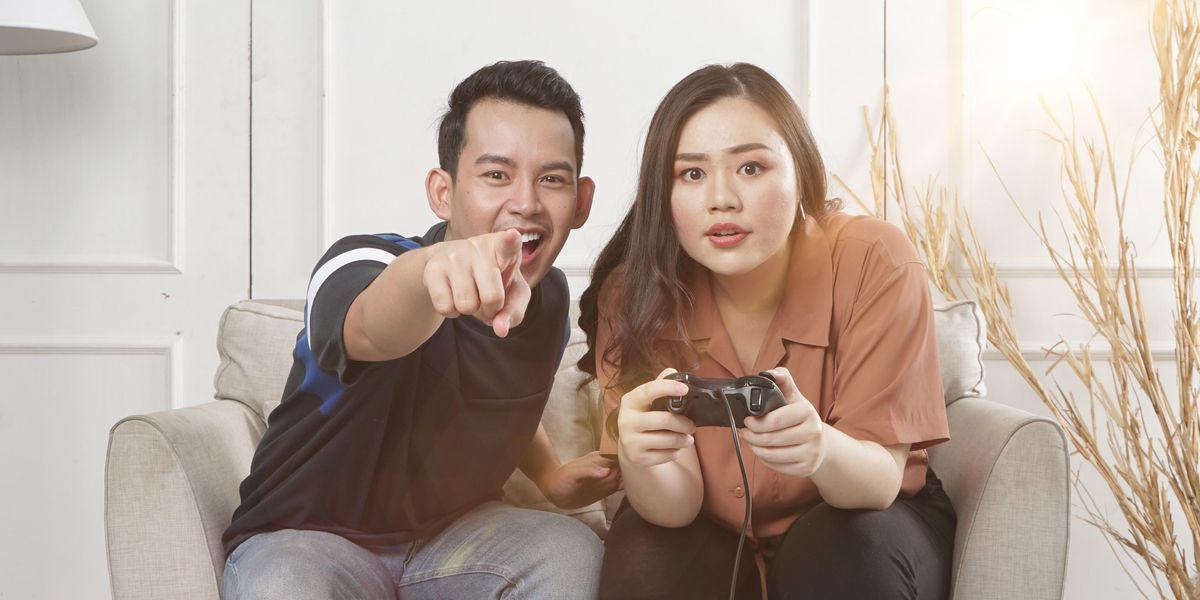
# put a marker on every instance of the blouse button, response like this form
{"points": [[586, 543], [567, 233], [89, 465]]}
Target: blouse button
{"points": [[738, 492]]}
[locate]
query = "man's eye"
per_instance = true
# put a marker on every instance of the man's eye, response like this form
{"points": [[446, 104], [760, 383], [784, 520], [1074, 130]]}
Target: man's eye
{"points": [[751, 169], [692, 174], [553, 179], [497, 175]]}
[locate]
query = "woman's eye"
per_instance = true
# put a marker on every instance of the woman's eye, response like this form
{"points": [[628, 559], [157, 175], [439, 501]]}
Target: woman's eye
{"points": [[692, 174], [751, 169]]}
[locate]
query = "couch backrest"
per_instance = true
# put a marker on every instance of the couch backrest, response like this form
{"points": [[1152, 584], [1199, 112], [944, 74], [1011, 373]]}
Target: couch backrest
{"points": [[256, 340], [257, 337]]}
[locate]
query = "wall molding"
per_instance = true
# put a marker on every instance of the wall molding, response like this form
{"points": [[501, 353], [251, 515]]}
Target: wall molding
{"points": [[86, 266], [328, 97], [1017, 270], [1036, 352], [175, 182], [167, 347]]}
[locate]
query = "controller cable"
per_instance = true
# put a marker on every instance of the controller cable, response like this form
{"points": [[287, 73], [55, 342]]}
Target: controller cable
{"points": [[737, 447]]}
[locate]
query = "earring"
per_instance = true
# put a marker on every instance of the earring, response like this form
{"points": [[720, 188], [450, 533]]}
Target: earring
{"points": [[803, 216]]}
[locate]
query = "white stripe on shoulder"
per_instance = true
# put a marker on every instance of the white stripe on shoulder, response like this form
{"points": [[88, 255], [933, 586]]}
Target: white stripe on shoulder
{"points": [[331, 266]]}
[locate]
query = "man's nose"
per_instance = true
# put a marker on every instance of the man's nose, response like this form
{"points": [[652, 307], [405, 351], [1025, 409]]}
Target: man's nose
{"points": [[524, 199]]}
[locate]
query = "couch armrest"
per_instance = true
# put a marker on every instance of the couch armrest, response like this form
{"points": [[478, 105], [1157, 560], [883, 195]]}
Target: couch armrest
{"points": [[1006, 472], [171, 486]]}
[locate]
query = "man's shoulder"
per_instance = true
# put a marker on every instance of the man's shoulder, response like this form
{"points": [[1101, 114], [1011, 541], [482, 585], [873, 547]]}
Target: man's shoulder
{"points": [[556, 281], [555, 296]]}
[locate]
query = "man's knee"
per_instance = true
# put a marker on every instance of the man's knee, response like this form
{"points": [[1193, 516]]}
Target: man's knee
{"points": [[297, 567], [565, 558], [570, 544]]}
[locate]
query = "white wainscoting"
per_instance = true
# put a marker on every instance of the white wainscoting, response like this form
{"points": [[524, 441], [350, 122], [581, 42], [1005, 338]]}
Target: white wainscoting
{"points": [[124, 232]]}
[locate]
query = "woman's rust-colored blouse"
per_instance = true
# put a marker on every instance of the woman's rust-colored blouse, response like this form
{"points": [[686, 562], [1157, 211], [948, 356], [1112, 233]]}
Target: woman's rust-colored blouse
{"points": [[855, 329]]}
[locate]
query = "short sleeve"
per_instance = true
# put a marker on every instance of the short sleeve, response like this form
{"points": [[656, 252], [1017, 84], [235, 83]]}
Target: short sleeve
{"points": [[887, 384], [340, 276]]}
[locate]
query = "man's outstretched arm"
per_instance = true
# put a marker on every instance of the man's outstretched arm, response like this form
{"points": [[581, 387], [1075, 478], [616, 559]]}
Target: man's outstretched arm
{"points": [[407, 302]]}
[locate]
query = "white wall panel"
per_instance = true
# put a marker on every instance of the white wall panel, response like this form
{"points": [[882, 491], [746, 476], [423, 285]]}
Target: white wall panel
{"points": [[969, 80], [101, 182], [388, 67], [59, 400], [847, 77], [124, 231]]}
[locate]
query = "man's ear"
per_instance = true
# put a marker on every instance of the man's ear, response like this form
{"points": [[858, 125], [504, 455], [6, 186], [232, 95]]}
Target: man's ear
{"points": [[585, 189], [439, 186]]}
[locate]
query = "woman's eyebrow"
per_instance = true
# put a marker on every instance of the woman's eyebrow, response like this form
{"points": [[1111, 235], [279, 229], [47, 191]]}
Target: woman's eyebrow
{"points": [[738, 149], [741, 148]]}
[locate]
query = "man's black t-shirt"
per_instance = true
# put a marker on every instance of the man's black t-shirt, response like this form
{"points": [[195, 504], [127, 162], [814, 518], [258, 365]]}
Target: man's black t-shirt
{"points": [[386, 452]]}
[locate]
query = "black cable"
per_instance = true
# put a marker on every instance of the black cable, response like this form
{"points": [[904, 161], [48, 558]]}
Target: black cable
{"points": [[737, 447]]}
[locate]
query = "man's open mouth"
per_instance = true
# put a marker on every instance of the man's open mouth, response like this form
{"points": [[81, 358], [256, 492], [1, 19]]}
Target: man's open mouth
{"points": [[530, 243]]}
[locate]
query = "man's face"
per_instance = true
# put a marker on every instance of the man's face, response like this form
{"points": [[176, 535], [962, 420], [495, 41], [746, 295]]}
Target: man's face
{"points": [[516, 170]]}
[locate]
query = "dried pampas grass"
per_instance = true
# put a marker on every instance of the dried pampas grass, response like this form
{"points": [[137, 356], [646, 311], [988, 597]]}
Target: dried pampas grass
{"points": [[1141, 439]]}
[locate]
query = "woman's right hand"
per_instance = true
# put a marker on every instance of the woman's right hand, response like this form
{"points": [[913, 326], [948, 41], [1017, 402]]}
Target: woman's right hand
{"points": [[648, 438]]}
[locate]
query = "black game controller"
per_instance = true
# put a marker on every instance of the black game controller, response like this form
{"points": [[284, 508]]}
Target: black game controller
{"points": [[749, 396]]}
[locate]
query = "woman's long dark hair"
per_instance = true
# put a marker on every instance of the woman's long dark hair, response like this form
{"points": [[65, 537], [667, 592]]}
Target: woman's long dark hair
{"points": [[648, 266]]}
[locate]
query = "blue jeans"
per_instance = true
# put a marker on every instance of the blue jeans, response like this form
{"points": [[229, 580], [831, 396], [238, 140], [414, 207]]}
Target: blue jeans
{"points": [[494, 551]]}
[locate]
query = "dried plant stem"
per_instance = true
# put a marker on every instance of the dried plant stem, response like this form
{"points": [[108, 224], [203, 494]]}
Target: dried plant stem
{"points": [[1149, 460]]}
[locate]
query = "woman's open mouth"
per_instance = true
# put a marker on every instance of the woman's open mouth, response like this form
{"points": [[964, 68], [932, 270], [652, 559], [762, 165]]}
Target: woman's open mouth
{"points": [[725, 235]]}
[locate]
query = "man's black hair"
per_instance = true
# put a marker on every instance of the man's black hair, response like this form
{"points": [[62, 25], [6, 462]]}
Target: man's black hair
{"points": [[528, 82]]}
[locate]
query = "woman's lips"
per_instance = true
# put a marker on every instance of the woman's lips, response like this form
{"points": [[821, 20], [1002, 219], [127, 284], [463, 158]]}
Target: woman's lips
{"points": [[725, 235], [727, 241]]}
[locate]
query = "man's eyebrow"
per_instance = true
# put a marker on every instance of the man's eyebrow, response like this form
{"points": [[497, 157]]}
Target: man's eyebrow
{"points": [[558, 165], [495, 159]]}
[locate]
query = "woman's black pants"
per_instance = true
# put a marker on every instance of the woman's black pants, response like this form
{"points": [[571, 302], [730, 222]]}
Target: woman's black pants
{"points": [[899, 553]]}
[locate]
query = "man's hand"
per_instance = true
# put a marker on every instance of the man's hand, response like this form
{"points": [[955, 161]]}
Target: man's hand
{"points": [[479, 276], [790, 439], [582, 481]]}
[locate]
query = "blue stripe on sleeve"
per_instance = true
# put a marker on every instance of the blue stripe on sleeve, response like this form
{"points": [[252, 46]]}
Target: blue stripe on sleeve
{"points": [[399, 240], [317, 381]]}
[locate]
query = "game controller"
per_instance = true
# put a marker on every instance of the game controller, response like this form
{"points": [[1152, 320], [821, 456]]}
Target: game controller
{"points": [[749, 396]]}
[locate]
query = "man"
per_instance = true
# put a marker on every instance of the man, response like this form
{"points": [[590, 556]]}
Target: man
{"points": [[420, 378]]}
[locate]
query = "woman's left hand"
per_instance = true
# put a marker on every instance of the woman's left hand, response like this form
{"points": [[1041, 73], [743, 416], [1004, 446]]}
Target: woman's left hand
{"points": [[789, 439]]}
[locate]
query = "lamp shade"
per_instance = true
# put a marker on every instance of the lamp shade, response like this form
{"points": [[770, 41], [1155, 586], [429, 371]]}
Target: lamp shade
{"points": [[44, 27]]}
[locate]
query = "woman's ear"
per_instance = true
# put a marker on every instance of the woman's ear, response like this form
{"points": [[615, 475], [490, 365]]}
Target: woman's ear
{"points": [[439, 187], [585, 190]]}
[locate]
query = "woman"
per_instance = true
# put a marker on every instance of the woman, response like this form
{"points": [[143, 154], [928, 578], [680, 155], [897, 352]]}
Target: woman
{"points": [[732, 262]]}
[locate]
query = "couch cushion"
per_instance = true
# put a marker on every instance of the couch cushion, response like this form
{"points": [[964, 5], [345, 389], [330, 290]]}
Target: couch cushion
{"points": [[961, 340], [255, 341]]}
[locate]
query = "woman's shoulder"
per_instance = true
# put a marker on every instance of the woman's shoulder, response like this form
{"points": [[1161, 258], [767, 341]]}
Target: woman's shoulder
{"points": [[866, 237]]}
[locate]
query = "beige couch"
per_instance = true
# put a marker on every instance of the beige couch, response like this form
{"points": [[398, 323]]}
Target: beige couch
{"points": [[172, 477]]}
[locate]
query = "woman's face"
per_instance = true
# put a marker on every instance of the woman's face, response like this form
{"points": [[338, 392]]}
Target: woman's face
{"points": [[734, 195]]}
